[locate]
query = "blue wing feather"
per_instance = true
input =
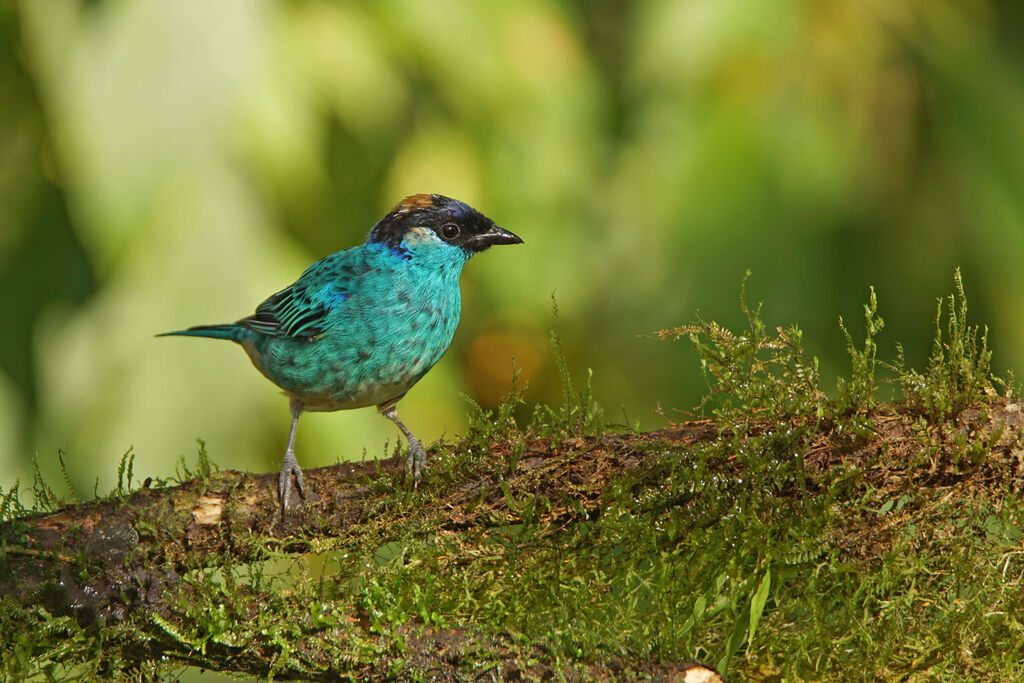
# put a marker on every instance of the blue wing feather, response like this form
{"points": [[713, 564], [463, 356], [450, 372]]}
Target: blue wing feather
{"points": [[307, 308]]}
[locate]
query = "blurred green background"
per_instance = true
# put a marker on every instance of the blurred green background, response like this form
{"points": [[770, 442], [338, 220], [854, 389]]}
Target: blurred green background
{"points": [[173, 162]]}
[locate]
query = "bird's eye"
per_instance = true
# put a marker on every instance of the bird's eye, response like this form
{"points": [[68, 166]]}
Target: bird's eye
{"points": [[449, 231]]}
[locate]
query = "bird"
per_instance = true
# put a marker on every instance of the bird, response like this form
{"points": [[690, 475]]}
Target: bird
{"points": [[361, 326]]}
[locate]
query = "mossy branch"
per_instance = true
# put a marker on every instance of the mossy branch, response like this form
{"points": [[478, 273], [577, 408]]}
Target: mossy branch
{"points": [[145, 559], [789, 536]]}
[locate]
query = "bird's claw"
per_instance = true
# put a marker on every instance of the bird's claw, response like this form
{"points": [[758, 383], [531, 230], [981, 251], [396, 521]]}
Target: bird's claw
{"points": [[417, 455], [289, 469], [414, 461]]}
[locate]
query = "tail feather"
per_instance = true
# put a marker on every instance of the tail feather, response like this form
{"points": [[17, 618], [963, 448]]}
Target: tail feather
{"points": [[230, 331]]}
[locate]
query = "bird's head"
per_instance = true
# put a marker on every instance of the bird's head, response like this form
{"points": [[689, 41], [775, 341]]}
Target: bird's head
{"points": [[432, 220]]}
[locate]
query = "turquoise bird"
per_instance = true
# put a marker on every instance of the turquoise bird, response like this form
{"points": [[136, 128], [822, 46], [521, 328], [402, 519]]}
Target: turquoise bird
{"points": [[360, 327]]}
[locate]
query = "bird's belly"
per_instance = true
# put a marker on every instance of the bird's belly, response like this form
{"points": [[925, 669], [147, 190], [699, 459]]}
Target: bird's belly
{"points": [[370, 395]]}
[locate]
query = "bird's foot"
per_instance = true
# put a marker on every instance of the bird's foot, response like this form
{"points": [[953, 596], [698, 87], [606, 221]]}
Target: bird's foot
{"points": [[289, 469], [414, 462]]}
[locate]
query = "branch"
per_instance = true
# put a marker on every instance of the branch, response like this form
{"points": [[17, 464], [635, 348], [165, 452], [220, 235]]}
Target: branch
{"points": [[144, 560]]}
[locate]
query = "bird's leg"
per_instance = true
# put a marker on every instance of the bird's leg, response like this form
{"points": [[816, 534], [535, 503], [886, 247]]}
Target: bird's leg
{"points": [[414, 463], [290, 466]]}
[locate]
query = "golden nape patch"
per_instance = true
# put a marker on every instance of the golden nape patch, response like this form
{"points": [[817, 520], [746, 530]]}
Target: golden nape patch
{"points": [[413, 202]]}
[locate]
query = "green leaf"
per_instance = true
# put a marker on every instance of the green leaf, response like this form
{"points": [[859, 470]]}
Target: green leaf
{"points": [[699, 606], [757, 603], [739, 633]]}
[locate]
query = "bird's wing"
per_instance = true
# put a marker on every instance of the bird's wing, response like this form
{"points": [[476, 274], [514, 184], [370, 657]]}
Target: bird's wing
{"points": [[307, 308], [292, 312]]}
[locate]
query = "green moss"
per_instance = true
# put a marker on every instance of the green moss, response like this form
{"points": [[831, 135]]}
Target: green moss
{"points": [[748, 549], [959, 368]]}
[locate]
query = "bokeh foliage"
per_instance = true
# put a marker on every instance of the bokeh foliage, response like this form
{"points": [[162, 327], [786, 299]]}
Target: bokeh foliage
{"points": [[171, 163]]}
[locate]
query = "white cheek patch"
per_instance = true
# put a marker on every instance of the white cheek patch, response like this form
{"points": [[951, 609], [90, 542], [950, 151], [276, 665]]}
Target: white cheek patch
{"points": [[417, 236]]}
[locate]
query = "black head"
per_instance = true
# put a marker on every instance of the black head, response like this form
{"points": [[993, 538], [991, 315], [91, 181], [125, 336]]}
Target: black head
{"points": [[452, 221]]}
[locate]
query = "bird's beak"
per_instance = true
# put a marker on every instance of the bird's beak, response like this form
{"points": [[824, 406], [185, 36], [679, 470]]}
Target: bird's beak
{"points": [[492, 237]]}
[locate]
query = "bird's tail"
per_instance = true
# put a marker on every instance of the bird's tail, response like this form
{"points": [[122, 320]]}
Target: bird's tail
{"points": [[230, 331]]}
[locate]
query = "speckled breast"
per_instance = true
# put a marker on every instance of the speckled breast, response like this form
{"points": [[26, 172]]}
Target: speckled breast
{"points": [[373, 354]]}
